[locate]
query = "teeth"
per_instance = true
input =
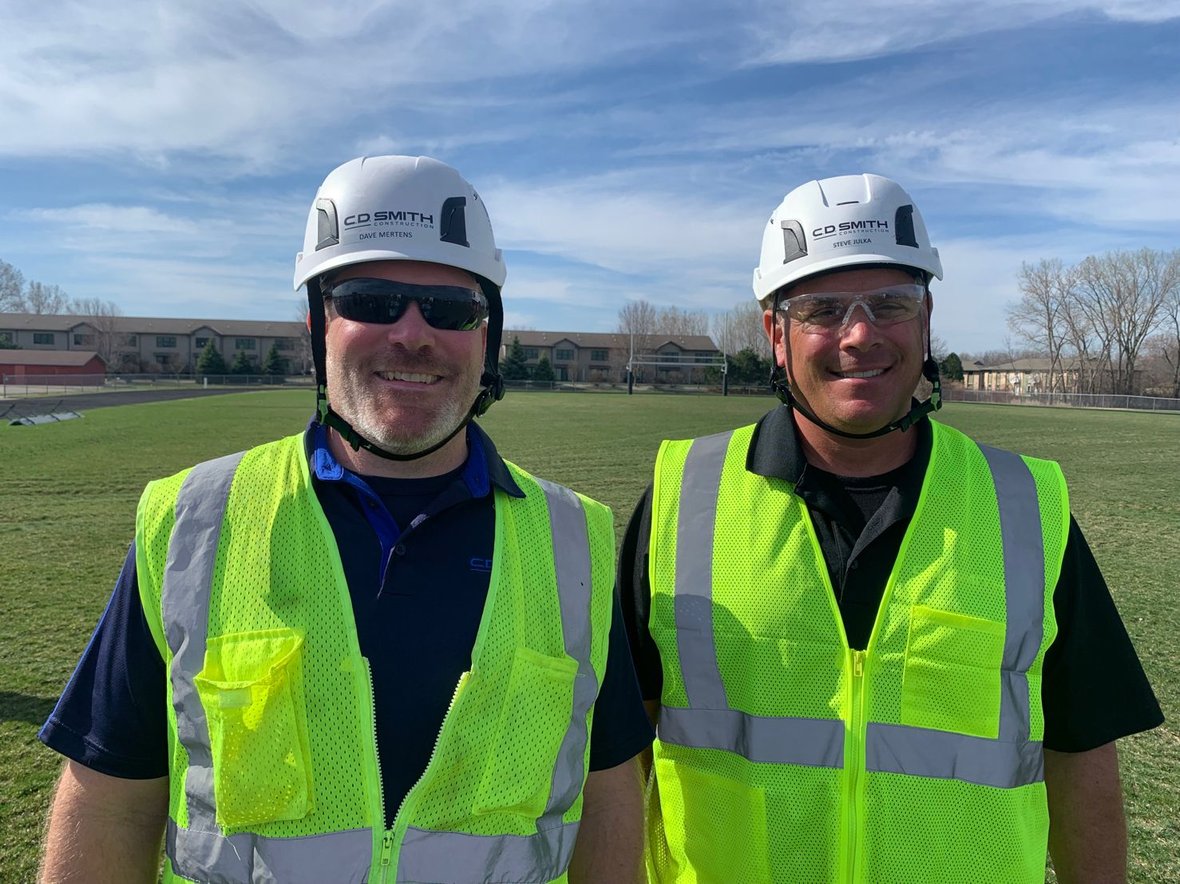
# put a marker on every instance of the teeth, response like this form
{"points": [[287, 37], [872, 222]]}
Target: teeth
{"points": [[407, 376], [863, 374]]}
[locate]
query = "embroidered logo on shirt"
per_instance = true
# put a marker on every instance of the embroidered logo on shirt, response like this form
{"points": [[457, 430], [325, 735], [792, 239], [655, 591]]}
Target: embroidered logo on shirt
{"points": [[479, 564]]}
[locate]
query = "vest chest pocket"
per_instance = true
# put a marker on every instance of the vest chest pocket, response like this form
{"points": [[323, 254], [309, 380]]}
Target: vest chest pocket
{"points": [[533, 721], [951, 680], [252, 690]]}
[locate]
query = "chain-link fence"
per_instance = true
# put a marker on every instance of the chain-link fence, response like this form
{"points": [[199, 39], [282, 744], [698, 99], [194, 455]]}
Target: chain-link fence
{"points": [[1067, 400]]}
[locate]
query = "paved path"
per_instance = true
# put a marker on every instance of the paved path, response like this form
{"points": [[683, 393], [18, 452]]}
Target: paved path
{"points": [[87, 401]]}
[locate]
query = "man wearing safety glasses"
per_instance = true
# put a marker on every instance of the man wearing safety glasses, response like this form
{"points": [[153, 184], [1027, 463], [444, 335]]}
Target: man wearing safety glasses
{"points": [[875, 650], [373, 651]]}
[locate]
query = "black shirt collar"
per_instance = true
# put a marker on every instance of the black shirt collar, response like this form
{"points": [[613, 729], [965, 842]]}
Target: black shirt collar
{"points": [[776, 453]]}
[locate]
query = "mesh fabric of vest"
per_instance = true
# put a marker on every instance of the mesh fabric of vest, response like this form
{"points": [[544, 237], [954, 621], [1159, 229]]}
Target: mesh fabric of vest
{"points": [[493, 767], [782, 652], [278, 575]]}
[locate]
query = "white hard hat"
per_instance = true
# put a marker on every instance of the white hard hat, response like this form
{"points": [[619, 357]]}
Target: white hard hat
{"points": [[396, 208], [842, 222]]}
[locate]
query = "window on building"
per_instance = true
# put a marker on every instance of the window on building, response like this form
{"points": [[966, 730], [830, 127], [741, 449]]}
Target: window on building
{"points": [[81, 340], [7, 337], [599, 355], [165, 340], [245, 344], [130, 340], [162, 358], [563, 354], [200, 343], [531, 353], [285, 343], [43, 338]]}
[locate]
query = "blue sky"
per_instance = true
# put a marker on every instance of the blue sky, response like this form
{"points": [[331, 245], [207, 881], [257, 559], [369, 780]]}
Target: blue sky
{"points": [[162, 155]]}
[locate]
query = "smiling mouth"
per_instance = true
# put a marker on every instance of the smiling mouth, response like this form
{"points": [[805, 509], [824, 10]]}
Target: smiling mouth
{"points": [[860, 374], [409, 377]]}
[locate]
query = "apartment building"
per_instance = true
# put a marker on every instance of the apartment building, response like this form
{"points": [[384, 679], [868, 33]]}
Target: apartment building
{"points": [[135, 344]]}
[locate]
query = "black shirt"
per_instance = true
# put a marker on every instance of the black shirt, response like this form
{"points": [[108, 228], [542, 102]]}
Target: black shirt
{"points": [[417, 557], [1093, 689]]}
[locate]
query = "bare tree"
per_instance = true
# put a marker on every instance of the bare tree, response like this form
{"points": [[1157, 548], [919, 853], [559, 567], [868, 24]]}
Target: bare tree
{"points": [[637, 318], [103, 317], [303, 345], [45, 299], [1167, 345], [677, 322], [1122, 294], [740, 328], [1037, 318], [12, 289]]}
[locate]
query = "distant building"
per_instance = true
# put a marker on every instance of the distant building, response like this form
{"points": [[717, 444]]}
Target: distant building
{"points": [[76, 366], [134, 344], [1038, 376], [601, 357]]}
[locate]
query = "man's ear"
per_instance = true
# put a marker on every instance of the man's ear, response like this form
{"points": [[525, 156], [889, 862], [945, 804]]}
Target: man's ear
{"points": [[774, 332], [308, 321]]}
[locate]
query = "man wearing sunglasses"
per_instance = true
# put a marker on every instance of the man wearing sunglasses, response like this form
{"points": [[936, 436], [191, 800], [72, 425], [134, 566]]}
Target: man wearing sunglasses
{"points": [[374, 650], [875, 650]]}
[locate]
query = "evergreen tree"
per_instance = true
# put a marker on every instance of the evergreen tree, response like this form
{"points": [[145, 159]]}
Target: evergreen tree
{"points": [[274, 365], [951, 368], [515, 367], [748, 367], [211, 362], [242, 364], [543, 370]]}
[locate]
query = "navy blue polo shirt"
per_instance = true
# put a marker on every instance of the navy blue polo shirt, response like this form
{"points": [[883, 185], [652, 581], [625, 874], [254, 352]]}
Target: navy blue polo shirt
{"points": [[417, 556]]}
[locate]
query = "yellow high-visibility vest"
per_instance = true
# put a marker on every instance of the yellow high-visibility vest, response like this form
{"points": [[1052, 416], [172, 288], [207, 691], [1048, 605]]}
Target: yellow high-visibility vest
{"points": [[782, 754], [274, 769]]}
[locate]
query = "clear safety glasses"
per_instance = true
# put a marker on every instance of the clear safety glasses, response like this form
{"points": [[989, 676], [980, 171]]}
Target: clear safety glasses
{"points": [[383, 301], [826, 311]]}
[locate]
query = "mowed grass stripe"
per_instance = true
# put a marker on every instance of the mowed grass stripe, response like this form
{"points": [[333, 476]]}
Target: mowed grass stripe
{"points": [[68, 494]]}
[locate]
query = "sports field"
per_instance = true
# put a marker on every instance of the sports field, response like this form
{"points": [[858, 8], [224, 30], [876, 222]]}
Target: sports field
{"points": [[68, 494]]}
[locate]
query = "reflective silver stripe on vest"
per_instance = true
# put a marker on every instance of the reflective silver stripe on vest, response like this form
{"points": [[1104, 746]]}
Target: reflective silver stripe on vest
{"points": [[343, 857], [571, 559], [815, 742], [1024, 583], [454, 857], [919, 752], [1009, 761], [184, 597], [695, 523]]}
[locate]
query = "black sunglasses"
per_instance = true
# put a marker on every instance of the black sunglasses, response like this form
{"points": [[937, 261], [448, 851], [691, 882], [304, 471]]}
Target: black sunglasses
{"points": [[445, 307]]}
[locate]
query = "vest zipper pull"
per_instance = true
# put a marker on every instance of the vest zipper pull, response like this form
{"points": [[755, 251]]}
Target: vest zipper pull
{"points": [[386, 851]]}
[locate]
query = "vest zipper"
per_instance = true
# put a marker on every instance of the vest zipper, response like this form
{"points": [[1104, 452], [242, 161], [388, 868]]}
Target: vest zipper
{"points": [[856, 763], [387, 834], [397, 833]]}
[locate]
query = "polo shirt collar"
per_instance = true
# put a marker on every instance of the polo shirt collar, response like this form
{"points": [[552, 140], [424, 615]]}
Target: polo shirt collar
{"points": [[776, 453], [483, 468]]}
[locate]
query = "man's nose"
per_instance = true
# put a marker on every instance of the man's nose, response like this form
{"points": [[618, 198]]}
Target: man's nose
{"points": [[411, 328]]}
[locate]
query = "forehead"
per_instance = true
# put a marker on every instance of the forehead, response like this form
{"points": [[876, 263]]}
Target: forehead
{"points": [[415, 272], [860, 279]]}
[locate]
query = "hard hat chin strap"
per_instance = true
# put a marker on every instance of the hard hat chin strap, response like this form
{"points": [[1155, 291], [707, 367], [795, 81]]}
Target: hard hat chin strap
{"points": [[492, 389]]}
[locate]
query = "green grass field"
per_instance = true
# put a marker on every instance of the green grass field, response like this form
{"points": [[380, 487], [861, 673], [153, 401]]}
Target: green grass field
{"points": [[68, 494]]}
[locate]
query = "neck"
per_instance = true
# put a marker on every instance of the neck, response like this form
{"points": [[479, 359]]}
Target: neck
{"points": [[854, 457], [450, 457]]}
